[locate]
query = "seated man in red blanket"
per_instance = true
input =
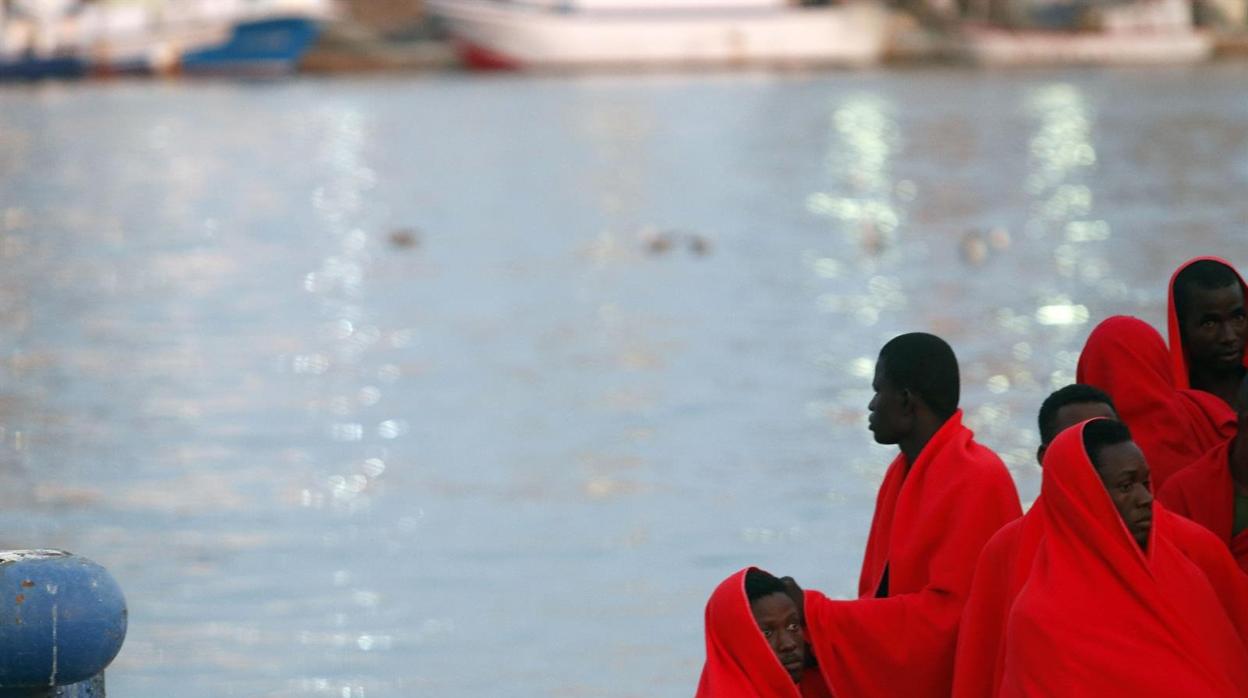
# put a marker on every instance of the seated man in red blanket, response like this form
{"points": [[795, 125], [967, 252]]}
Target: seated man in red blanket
{"points": [[756, 643]]}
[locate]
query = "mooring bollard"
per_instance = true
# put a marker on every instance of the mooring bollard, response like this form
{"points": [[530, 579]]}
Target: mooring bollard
{"points": [[62, 620]]}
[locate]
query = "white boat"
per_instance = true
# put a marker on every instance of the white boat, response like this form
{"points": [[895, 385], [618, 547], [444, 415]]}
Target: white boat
{"points": [[1003, 48], [663, 33], [1121, 33]]}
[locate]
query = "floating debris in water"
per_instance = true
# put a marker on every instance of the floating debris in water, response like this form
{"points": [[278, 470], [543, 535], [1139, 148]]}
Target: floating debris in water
{"points": [[658, 242], [974, 248], [405, 238], [999, 239], [699, 245]]}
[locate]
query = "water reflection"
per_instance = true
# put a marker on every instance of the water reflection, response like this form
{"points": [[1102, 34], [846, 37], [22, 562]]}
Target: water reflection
{"points": [[343, 372], [861, 157], [1063, 157], [323, 462]]}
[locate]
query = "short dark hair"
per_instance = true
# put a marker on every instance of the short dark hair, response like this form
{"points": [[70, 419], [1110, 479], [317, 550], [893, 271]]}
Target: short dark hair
{"points": [[1073, 394], [759, 584], [1100, 433], [1206, 274], [924, 364]]}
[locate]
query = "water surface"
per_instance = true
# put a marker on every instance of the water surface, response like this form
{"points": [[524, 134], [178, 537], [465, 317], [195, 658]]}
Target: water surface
{"points": [[478, 386]]}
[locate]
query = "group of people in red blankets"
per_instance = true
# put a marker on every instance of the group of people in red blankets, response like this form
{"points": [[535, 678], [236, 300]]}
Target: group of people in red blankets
{"points": [[1098, 590]]}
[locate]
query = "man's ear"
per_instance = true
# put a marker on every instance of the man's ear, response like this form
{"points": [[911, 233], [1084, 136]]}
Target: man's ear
{"points": [[909, 401]]}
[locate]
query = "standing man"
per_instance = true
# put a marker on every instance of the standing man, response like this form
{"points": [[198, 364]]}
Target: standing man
{"points": [[942, 498], [1208, 327], [1006, 560], [1124, 598], [1128, 359]]}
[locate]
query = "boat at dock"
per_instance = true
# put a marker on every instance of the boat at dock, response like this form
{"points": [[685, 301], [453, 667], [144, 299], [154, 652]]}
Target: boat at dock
{"points": [[69, 38], [992, 47], [1093, 32], [587, 34], [261, 47]]}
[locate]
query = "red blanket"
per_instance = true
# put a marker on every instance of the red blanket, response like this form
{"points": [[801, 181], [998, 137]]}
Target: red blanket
{"points": [[1003, 567], [739, 662], [1100, 617], [1126, 357], [930, 525], [1205, 493]]}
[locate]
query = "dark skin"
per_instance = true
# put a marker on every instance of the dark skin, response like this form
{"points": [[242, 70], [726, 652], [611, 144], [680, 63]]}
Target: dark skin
{"points": [[899, 416], [780, 622], [799, 602], [1239, 445], [1068, 416], [1215, 329], [896, 416], [1124, 472]]}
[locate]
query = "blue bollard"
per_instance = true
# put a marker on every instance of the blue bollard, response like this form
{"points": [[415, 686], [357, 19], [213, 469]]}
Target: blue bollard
{"points": [[62, 620]]}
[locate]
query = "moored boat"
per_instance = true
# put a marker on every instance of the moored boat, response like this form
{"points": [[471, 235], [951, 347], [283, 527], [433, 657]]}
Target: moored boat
{"points": [[70, 38], [262, 47], [675, 33], [999, 47], [1096, 32]]}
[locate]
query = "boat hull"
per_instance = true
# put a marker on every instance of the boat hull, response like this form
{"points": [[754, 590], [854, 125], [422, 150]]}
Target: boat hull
{"points": [[497, 35], [268, 46], [995, 47], [42, 68]]}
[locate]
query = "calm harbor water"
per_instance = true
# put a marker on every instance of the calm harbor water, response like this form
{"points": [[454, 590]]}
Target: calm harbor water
{"points": [[463, 386]]}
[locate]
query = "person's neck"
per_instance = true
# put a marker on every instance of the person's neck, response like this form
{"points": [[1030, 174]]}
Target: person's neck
{"points": [[1224, 384], [1238, 457], [912, 444]]}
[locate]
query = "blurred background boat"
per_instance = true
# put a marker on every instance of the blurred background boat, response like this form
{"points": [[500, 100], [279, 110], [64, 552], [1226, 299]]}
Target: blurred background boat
{"points": [[66, 38], [1089, 32], [496, 34]]}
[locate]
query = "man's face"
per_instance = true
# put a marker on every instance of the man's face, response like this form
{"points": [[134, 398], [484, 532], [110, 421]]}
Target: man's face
{"points": [[1124, 472], [1068, 416], [777, 618], [1215, 328], [889, 418]]}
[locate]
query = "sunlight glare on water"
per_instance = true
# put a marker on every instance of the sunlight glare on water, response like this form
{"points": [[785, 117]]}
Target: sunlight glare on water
{"points": [[478, 386]]}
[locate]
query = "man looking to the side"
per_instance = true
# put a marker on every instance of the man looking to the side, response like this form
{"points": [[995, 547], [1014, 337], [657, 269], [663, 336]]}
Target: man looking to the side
{"points": [[943, 497]]}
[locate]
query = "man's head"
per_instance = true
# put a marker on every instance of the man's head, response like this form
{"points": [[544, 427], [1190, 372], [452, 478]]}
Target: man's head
{"points": [[778, 619], [1069, 406], [1209, 303], [1124, 472], [915, 376]]}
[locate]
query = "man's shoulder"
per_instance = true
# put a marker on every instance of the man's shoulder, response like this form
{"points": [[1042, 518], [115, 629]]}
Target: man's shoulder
{"points": [[1003, 542], [1199, 475], [1194, 539], [976, 460]]}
